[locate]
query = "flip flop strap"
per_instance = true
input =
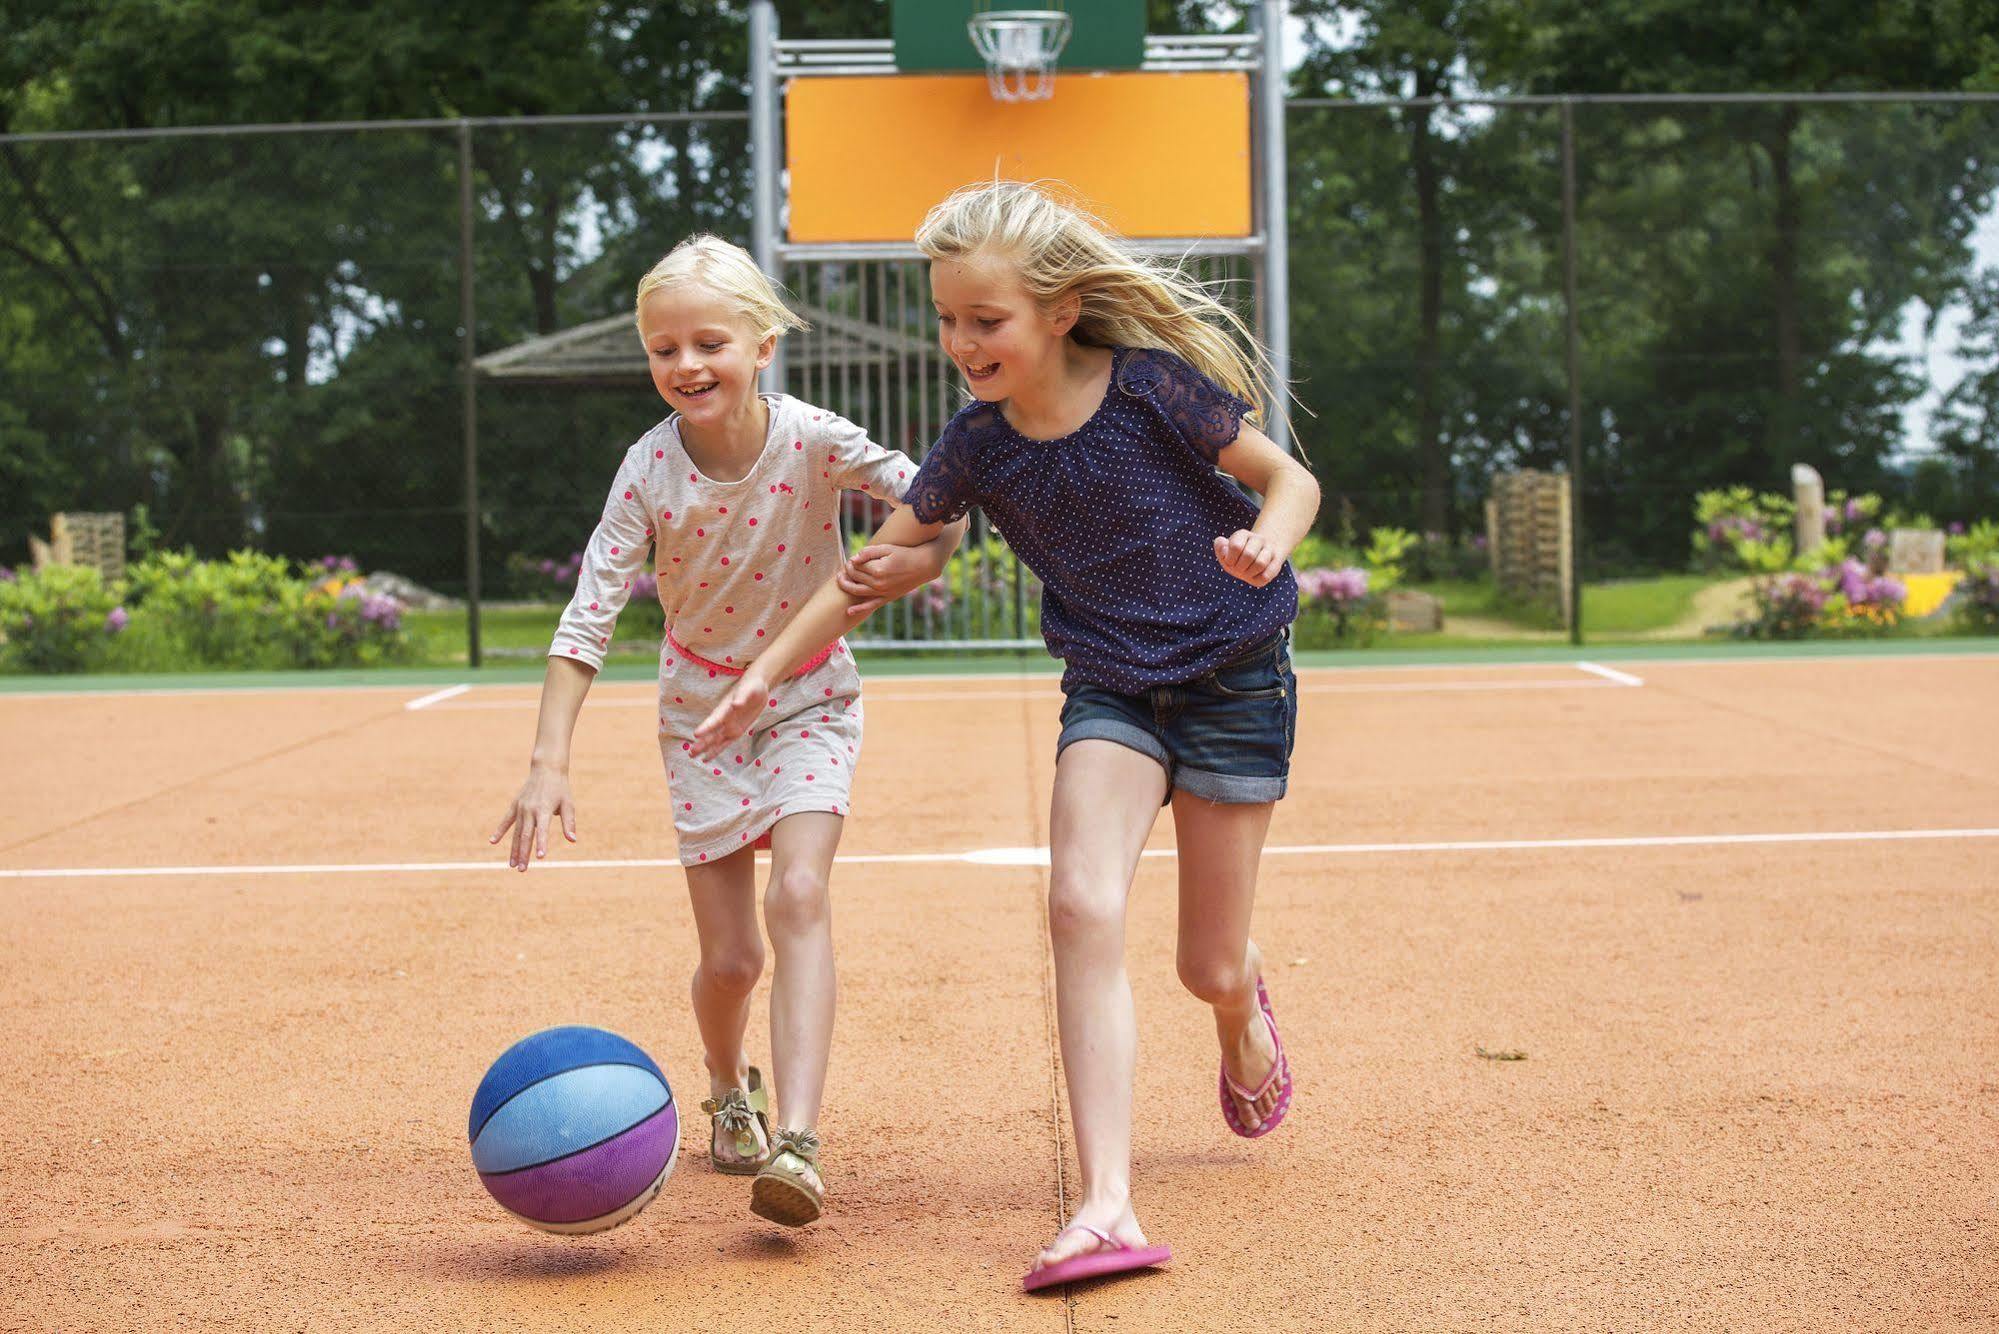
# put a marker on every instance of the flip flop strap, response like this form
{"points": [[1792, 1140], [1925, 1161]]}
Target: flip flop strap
{"points": [[1101, 1235], [1276, 1067]]}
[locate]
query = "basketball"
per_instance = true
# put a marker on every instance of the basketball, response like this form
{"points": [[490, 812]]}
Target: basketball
{"points": [[574, 1130]]}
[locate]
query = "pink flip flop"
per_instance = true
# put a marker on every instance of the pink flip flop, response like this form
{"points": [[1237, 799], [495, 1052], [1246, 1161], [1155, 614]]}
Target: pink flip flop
{"points": [[1115, 1258], [1278, 1072]]}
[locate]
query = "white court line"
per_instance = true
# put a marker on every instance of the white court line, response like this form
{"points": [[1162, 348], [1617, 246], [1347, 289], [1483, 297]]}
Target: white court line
{"points": [[1020, 856], [1611, 674], [435, 696], [951, 696]]}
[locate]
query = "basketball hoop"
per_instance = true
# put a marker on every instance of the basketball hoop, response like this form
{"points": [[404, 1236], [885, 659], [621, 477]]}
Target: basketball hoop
{"points": [[1019, 47]]}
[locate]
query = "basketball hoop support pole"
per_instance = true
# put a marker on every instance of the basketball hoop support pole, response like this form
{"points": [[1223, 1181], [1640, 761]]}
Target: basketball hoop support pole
{"points": [[1275, 264], [765, 163]]}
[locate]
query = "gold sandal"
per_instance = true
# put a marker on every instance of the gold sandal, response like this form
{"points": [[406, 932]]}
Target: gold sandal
{"points": [[789, 1189], [745, 1117]]}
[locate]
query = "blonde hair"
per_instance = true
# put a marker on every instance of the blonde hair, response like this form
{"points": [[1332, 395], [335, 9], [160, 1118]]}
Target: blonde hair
{"points": [[728, 271], [1125, 299]]}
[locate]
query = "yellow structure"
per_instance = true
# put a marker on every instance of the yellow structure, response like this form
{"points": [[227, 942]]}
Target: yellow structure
{"points": [[1164, 155]]}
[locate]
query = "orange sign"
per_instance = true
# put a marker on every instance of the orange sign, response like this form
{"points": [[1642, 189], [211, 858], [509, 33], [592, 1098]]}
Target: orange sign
{"points": [[1153, 155]]}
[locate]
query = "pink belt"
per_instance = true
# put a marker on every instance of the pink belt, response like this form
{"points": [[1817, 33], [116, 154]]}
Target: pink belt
{"points": [[819, 660]]}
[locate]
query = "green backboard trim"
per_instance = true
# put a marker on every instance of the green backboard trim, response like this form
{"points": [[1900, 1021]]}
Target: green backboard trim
{"points": [[930, 35]]}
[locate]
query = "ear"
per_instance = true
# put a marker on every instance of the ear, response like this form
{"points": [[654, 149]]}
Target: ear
{"points": [[1062, 316], [766, 351]]}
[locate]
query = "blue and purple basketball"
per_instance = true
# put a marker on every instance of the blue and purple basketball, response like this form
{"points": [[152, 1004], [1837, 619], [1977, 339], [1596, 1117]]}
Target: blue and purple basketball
{"points": [[574, 1130]]}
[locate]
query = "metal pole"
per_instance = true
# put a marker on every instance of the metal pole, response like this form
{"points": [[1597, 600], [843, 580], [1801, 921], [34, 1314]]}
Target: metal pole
{"points": [[764, 165], [468, 343], [1276, 249], [1573, 340]]}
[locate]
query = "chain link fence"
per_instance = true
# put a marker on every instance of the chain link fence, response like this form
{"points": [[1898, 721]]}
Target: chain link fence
{"points": [[257, 337]]}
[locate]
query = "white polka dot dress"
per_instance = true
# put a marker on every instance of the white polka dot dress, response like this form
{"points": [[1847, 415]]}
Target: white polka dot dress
{"points": [[735, 560]]}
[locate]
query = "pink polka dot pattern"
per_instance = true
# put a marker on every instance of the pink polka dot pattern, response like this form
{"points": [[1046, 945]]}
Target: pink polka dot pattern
{"points": [[732, 559]]}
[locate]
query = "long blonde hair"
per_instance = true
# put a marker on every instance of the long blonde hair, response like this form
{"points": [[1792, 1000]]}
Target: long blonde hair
{"points": [[728, 271], [1125, 299]]}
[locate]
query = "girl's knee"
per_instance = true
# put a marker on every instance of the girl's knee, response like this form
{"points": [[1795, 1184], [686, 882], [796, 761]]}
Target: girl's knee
{"points": [[733, 971], [796, 901], [1213, 978], [1080, 907]]}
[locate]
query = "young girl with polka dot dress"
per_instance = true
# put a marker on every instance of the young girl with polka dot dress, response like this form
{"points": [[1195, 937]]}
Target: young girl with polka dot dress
{"points": [[739, 492], [1107, 395]]}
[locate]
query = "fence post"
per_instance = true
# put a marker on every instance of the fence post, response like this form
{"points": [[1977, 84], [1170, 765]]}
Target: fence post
{"points": [[1570, 336], [468, 344], [764, 161], [1270, 185]]}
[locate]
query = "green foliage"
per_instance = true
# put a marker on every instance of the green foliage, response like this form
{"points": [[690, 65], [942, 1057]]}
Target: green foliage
{"points": [[1386, 548], [1978, 598], [58, 619], [1739, 529], [1978, 545], [177, 612]]}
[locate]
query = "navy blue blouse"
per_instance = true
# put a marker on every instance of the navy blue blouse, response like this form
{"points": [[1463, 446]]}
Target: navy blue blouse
{"points": [[1119, 520]]}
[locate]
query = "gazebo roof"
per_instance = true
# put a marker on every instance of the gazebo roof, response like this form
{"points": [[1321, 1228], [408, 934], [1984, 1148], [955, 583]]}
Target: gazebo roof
{"points": [[608, 352]]}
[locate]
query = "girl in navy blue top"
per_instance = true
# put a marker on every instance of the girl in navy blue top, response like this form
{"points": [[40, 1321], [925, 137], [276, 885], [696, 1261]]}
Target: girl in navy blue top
{"points": [[1108, 394]]}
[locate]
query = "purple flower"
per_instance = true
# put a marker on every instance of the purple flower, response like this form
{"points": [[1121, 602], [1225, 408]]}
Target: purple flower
{"points": [[1339, 591], [117, 620], [382, 610], [1956, 529], [1874, 540], [6, 575], [1854, 509]]}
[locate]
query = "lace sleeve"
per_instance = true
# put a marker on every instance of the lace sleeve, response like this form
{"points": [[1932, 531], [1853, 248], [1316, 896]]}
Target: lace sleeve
{"points": [[1199, 411], [944, 490]]}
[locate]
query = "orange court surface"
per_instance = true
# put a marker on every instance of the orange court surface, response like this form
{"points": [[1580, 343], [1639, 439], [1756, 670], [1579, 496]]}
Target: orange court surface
{"points": [[1740, 916]]}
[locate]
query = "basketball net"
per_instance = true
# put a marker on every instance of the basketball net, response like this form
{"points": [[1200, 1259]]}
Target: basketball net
{"points": [[1019, 47]]}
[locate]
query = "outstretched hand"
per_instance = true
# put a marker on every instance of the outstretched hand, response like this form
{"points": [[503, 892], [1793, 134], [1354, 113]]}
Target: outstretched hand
{"points": [[1249, 557], [734, 716], [542, 800]]}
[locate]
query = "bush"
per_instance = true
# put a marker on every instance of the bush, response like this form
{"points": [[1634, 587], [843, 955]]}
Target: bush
{"points": [[1338, 608], [1977, 547], [1846, 599], [61, 619], [1978, 599], [175, 612], [1738, 529]]}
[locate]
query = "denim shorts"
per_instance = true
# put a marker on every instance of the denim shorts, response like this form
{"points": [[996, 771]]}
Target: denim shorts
{"points": [[1226, 736]]}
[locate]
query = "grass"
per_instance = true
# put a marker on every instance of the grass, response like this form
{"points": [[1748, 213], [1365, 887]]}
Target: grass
{"points": [[1631, 606]]}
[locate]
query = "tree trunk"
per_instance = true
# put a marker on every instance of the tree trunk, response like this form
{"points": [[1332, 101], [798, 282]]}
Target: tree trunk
{"points": [[1432, 464]]}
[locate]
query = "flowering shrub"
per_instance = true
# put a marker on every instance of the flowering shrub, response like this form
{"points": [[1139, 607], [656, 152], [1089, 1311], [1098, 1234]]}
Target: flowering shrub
{"points": [[1843, 599], [1788, 606], [1978, 599], [175, 612], [1738, 529], [1976, 547], [61, 619]]}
